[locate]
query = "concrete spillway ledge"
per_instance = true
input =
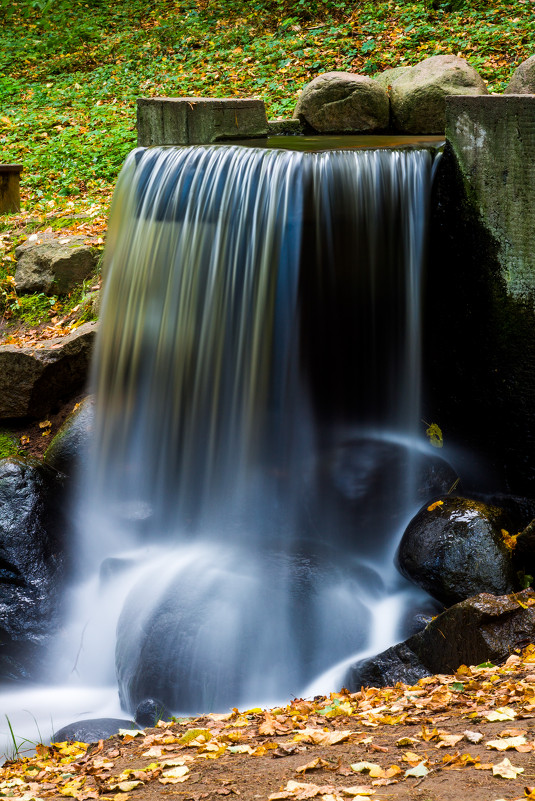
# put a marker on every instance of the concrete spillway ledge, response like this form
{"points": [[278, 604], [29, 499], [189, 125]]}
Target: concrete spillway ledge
{"points": [[198, 120], [493, 140]]}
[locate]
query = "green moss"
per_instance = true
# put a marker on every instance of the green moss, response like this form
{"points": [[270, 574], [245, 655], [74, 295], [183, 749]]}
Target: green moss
{"points": [[32, 309], [8, 445]]}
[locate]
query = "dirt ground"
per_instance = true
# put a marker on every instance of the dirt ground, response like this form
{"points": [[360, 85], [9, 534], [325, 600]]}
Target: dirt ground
{"points": [[468, 736]]}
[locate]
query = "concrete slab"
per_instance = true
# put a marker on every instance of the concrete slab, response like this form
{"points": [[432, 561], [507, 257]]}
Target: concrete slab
{"points": [[198, 120]]}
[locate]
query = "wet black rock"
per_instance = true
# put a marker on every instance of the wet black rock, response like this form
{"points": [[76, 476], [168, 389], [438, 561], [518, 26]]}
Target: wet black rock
{"points": [[454, 549], [32, 564], [150, 711], [397, 663], [70, 447], [486, 628], [91, 731]]}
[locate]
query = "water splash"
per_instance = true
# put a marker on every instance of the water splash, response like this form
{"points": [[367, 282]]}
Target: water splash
{"points": [[257, 390]]}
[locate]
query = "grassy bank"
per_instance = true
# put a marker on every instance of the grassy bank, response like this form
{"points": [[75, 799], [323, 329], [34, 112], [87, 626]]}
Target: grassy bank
{"points": [[71, 70]]}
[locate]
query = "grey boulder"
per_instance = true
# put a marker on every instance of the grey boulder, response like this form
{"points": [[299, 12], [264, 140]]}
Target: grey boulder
{"points": [[70, 446], [54, 266], [33, 381], [523, 80], [418, 95], [340, 102]]}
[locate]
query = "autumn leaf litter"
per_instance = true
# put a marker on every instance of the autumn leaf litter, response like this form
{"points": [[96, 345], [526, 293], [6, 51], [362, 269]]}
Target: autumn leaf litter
{"points": [[376, 743]]}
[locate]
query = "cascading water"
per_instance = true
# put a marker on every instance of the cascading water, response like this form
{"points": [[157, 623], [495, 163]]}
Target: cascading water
{"points": [[256, 452]]}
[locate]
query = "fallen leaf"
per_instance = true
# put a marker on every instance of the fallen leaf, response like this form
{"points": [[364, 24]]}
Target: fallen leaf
{"points": [[503, 713], [316, 764], [374, 770], [506, 770], [125, 787], [320, 737], [506, 743], [175, 775], [474, 737], [418, 770]]}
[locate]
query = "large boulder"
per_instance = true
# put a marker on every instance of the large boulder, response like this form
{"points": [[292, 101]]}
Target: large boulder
{"points": [[340, 102], [54, 266], [70, 446], [523, 80], [31, 564], [35, 380], [455, 548], [485, 628], [386, 79], [418, 96]]}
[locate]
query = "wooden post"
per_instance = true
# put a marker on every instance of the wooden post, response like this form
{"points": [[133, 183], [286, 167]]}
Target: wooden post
{"points": [[10, 188]]}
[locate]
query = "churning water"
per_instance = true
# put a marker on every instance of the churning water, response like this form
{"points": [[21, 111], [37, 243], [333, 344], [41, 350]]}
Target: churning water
{"points": [[257, 448]]}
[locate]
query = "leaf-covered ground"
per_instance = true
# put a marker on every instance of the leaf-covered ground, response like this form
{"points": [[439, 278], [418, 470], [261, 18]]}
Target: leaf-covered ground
{"points": [[466, 736]]}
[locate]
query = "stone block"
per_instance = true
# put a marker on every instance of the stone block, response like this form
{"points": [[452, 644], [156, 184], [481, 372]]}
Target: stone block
{"points": [[10, 188], [198, 120], [493, 139]]}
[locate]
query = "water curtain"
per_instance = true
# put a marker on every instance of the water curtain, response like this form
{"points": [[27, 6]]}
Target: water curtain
{"points": [[257, 382]]}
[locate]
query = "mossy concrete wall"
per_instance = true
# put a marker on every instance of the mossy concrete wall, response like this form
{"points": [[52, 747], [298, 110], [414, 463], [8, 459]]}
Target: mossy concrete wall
{"points": [[198, 120], [480, 298], [493, 139]]}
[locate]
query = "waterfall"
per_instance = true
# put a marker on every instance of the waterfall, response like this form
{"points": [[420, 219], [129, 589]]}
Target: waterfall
{"points": [[257, 449]]}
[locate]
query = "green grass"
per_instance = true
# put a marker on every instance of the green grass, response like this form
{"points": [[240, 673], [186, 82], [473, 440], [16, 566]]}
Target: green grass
{"points": [[71, 70]]}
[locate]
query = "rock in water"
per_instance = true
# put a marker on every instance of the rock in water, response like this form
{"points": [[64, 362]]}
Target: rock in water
{"points": [[340, 102], [523, 80], [454, 549], [91, 731], [485, 628], [31, 565], [418, 96]]}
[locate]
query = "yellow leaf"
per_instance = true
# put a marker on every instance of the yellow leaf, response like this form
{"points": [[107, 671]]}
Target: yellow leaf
{"points": [[434, 435], [435, 505], [502, 713], [374, 770], [175, 775], [198, 735], [320, 737], [506, 770], [316, 764], [506, 743], [510, 542], [45, 424]]}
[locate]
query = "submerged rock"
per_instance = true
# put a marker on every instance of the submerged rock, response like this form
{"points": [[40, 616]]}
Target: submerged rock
{"points": [[365, 488], [523, 80], [54, 266], [418, 96], [485, 628], [31, 564], [33, 381], [91, 731], [341, 102], [454, 548]]}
